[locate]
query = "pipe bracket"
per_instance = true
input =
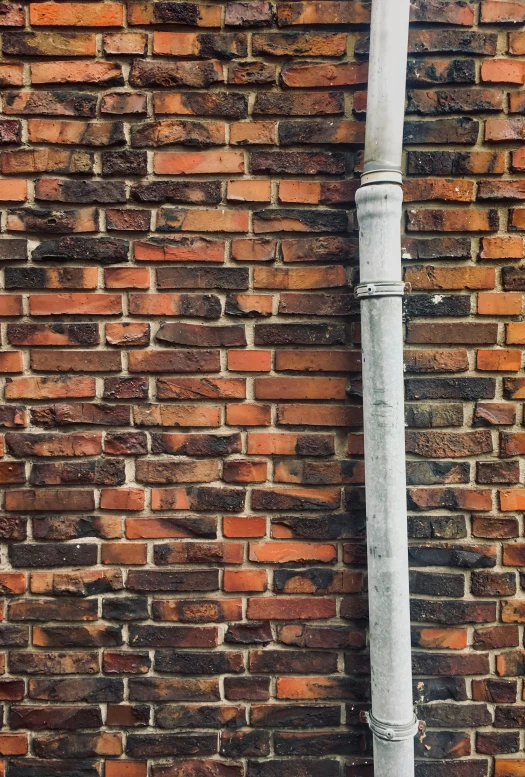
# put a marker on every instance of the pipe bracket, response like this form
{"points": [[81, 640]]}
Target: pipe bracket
{"points": [[382, 289], [392, 732]]}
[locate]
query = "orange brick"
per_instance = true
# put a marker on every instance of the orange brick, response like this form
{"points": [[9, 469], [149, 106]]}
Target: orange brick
{"points": [[245, 580], [449, 639], [509, 767], [13, 190], [11, 74], [75, 304], [498, 359], [249, 191], [502, 247], [12, 582], [122, 768], [243, 526], [307, 192], [10, 305], [250, 361], [248, 415], [125, 43], [497, 11], [125, 499], [244, 471], [247, 133], [500, 304], [124, 553], [291, 552], [512, 499], [515, 333], [198, 162], [127, 278], [504, 71], [11, 361], [431, 277], [76, 14]]}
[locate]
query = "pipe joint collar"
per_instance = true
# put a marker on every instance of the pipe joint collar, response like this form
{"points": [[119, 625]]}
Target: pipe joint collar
{"points": [[392, 732], [381, 176]]}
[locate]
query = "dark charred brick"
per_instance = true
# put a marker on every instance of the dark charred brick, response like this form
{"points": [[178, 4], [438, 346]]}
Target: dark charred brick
{"points": [[300, 334], [127, 162], [450, 388], [294, 743], [426, 306], [202, 336], [509, 717], [255, 633], [438, 584], [292, 662], [449, 527], [434, 472], [200, 716], [493, 743], [462, 131], [470, 557], [31, 767], [297, 163], [245, 744], [295, 716], [202, 278], [424, 249], [188, 663], [126, 388], [158, 745], [452, 612], [173, 689], [205, 580], [440, 689], [101, 472], [447, 664], [125, 609], [51, 416], [433, 416], [86, 249], [35, 555], [442, 744], [288, 104], [325, 767], [198, 192], [69, 718], [154, 73]]}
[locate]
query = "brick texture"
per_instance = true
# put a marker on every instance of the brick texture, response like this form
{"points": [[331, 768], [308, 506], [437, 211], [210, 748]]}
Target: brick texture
{"points": [[183, 560]]}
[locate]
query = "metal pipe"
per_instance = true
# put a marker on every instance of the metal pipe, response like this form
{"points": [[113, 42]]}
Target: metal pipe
{"points": [[379, 203], [386, 86]]}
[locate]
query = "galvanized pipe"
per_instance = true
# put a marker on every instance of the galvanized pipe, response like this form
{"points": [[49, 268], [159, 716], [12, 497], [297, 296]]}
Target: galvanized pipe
{"points": [[379, 202]]}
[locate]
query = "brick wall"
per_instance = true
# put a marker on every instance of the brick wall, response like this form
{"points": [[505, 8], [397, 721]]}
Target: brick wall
{"points": [[183, 524]]}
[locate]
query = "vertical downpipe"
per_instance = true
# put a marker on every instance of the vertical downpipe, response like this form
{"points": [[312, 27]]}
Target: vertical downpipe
{"points": [[379, 204]]}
